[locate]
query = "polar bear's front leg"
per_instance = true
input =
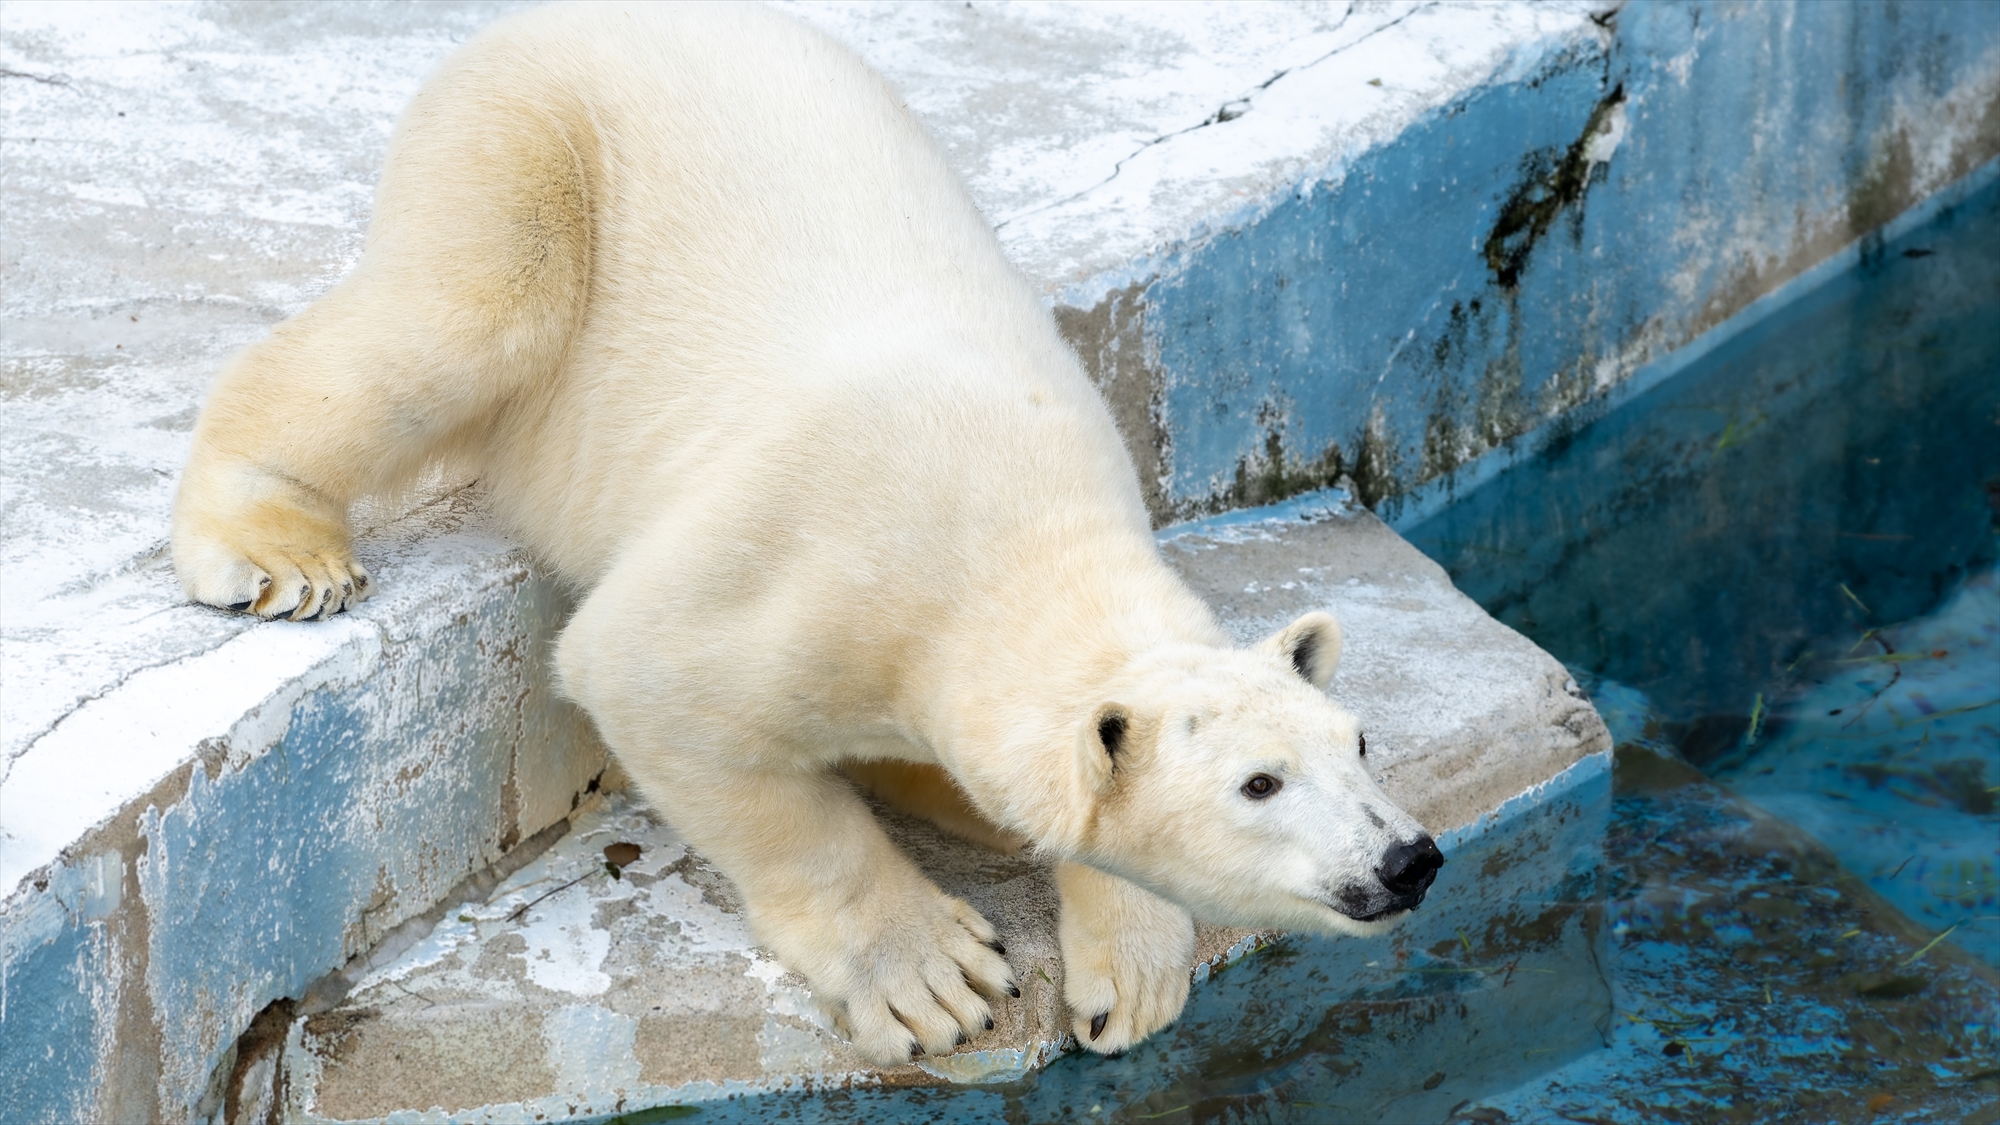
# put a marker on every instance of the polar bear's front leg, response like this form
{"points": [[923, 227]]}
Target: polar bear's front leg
{"points": [[902, 965], [1127, 958]]}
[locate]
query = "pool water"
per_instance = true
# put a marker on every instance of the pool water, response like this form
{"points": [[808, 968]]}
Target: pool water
{"points": [[1891, 754], [1774, 571]]}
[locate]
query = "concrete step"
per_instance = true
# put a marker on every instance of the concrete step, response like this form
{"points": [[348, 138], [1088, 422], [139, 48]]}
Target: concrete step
{"points": [[566, 992]]}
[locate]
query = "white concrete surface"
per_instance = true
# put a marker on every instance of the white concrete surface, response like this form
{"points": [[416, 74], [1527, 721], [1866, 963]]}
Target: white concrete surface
{"points": [[1095, 135]]}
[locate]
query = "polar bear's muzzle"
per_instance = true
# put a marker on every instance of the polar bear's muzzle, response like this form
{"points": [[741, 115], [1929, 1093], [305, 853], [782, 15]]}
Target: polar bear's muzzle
{"points": [[1401, 880]]}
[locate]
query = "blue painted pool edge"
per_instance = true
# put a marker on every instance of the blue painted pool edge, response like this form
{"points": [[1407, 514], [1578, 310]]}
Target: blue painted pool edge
{"points": [[1410, 314], [131, 964], [1428, 500]]}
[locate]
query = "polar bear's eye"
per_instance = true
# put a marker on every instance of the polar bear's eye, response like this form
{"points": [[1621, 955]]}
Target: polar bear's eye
{"points": [[1261, 786]]}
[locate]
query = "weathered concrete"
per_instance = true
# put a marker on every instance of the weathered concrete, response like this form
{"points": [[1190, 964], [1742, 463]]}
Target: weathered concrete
{"points": [[341, 781], [615, 995], [1620, 185], [177, 180]]}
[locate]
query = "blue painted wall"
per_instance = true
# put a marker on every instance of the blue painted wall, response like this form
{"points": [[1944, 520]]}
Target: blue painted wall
{"points": [[1452, 293], [129, 978]]}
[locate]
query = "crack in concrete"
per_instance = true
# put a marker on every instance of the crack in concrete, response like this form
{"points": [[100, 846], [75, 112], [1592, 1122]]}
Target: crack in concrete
{"points": [[137, 563], [82, 701], [1222, 114], [44, 79]]}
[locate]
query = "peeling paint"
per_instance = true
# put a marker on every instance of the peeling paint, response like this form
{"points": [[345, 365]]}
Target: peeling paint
{"points": [[349, 778]]}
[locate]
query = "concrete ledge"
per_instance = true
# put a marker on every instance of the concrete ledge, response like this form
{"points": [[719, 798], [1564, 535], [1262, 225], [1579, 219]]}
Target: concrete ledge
{"points": [[564, 993], [220, 829], [643, 994], [1588, 190]]}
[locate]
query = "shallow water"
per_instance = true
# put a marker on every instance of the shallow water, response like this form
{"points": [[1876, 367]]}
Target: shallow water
{"points": [[1889, 751], [1775, 574]]}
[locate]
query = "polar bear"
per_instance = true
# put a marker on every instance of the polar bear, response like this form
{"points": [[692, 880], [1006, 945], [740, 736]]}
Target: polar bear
{"points": [[737, 357]]}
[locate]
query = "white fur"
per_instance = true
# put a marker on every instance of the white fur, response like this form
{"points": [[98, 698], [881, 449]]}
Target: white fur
{"points": [[736, 355]]}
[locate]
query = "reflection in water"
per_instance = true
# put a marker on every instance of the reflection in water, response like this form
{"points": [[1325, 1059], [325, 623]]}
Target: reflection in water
{"points": [[1833, 468], [1777, 567]]}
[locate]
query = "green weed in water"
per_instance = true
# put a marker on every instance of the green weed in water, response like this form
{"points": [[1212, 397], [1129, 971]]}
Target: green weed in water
{"points": [[655, 1115], [1931, 944]]}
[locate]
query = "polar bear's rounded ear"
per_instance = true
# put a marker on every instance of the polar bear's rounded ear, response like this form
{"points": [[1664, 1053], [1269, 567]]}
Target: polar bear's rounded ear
{"points": [[1111, 722], [1311, 645], [1099, 743]]}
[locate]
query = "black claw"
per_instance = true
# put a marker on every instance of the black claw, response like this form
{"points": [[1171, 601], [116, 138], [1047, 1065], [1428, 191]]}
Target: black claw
{"points": [[1097, 1025], [916, 1051], [997, 947], [961, 1039], [239, 606], [1014, 992], [361, 582], [1119, 1054], [989, 1023]]}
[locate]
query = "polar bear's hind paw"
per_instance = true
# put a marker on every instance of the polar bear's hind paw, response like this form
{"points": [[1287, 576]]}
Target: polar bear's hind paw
{"points": [[298, 578]]}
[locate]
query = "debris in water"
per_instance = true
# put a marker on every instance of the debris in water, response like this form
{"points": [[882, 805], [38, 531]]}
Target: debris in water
{"points": [[1859, 602]]}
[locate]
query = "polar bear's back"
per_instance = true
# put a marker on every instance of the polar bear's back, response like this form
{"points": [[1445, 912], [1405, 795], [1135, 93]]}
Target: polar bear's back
{"points": [[792, 304]]}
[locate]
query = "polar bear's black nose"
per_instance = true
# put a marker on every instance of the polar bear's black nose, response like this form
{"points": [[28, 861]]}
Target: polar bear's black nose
{"points": [[1407, 869]]}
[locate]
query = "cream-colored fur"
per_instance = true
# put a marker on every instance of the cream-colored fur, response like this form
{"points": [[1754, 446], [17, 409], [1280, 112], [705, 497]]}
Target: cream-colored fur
{"points": [[735, 354]]}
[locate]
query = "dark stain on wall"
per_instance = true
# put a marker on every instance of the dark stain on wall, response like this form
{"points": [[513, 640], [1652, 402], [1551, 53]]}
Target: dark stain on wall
{"points": [[1110, 339], [1551, 182]]}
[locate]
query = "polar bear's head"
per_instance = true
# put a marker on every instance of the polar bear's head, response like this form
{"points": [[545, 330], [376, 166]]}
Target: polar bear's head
{"points": [[1228, 782]]}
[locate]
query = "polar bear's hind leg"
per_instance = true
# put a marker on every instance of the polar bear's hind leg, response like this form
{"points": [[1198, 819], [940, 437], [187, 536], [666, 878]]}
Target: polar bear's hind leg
{"points": [[473, 281]]}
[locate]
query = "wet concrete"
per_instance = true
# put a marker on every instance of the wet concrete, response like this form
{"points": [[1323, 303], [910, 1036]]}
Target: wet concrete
{"points": [[1756, 978]]}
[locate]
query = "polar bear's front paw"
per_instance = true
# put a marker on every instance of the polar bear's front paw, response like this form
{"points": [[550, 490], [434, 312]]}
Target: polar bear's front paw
{"points": [[914, 978], [1128, 955], [298, 568]]}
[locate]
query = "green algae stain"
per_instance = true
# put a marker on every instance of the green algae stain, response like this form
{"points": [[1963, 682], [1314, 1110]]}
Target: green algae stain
{"points": [[655, 1115]]}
